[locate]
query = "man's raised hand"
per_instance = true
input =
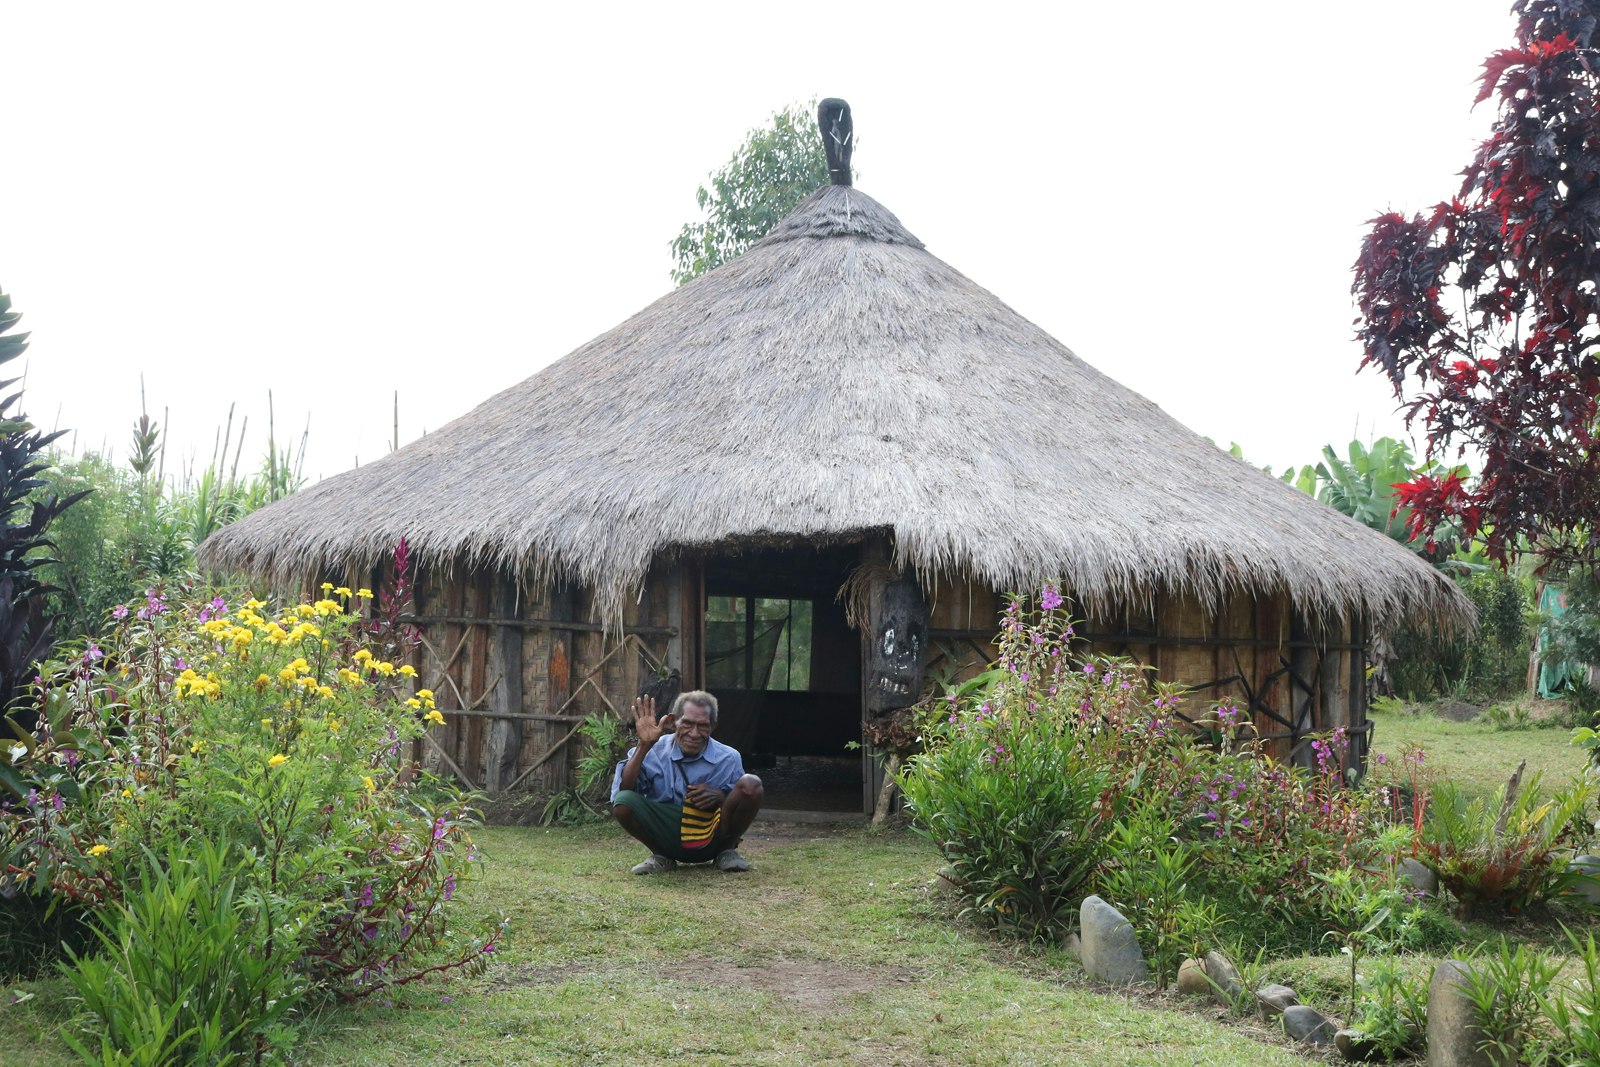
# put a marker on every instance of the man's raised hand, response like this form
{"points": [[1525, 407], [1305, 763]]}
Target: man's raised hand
{"points": [[645, 724]]}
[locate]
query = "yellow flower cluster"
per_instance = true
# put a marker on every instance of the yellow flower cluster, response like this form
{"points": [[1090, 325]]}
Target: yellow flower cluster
{"points": [[190, 684]]}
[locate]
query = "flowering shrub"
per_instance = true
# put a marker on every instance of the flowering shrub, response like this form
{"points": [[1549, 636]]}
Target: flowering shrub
{"points": [[280, 732], [1025, 785], [1019, 785]]}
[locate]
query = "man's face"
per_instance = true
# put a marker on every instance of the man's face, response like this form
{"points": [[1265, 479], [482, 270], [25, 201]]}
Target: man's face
{"points": [[694, 729]]}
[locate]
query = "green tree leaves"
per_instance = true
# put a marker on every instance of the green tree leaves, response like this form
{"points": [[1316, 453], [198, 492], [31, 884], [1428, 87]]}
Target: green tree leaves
{"points": [[778, 166]]}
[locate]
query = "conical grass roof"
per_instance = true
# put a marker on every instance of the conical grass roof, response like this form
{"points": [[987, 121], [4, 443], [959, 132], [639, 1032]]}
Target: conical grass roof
{"points": [[837, 379]]}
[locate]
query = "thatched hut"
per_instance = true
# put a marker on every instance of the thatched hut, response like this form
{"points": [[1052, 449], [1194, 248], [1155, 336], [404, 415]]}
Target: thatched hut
{"points": [[691, 489]]}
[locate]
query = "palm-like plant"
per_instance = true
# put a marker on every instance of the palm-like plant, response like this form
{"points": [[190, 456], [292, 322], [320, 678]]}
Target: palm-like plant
{"points": [[26, 630], [1362, 486]]}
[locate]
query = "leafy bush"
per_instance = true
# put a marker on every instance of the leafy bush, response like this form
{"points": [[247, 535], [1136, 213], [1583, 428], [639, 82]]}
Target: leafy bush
{"points": [[192, 967], [279, 733], [1026, 787], [1509, 855], [1146, 877], [1572, 1007], [1507, 986], [1391, 1009], [1020, 805]]}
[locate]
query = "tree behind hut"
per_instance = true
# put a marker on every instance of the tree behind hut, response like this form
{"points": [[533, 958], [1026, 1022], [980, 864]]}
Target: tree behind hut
{"points": [[778, 166]]}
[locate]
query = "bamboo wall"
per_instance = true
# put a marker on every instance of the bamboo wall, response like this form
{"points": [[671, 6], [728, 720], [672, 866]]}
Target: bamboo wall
{"points": [[515, 668]]}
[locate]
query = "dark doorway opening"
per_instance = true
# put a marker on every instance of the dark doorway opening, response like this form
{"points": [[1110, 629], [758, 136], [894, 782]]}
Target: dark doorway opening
{"points": [[786, 670]]}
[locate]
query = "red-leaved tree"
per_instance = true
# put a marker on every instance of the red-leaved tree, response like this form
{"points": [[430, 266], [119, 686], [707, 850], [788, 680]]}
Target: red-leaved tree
{"points": [[1484, 314]]}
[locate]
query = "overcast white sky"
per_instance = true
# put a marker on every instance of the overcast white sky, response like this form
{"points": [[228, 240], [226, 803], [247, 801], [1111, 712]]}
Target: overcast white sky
{"points": [[336, 200]]}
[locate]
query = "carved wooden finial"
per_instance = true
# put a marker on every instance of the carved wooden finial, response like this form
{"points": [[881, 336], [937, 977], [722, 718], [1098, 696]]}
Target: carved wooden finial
{"points": [[838, 137]]}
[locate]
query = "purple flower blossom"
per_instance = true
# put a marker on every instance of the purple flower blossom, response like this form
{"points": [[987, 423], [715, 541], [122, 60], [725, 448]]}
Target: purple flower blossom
{"points": [[438, 828], [56, 801], [120, 611], [1049, 599], [92, 654], [449, 886]]}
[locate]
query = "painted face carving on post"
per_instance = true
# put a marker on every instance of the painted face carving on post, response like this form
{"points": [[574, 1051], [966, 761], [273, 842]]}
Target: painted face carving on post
{"points": [[895, 660]]}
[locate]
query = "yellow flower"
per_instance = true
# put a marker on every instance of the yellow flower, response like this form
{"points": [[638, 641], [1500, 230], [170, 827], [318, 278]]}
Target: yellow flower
{"points": [[253, 604], [425, 694], [262, 681], [366, 780], [325, 607], [326, 586], [326, 691], [188, 674], [267, 723], [305, 611], [434, 717], [127, 792], [365, 594], [383, 667], [99, 850], [334, 724], [414, 703], [299, 664], [197, 746], [286, 676], [342, 591], [278, 760], [407, 670], [362, 655]]}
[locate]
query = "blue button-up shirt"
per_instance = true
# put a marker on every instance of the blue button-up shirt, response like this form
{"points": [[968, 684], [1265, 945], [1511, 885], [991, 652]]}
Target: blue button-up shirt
{"points": [[718, 766]]}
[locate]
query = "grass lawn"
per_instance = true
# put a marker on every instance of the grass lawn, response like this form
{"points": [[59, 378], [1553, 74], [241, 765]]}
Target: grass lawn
{"points": [[1476, 756], [834, 950]]}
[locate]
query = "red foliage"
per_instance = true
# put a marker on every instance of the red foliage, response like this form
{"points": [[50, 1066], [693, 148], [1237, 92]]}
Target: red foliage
{"points": [[1510, 369]]}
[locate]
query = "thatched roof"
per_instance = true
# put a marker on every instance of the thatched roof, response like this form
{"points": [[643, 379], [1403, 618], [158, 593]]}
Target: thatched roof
{"points": [[836, 379]]}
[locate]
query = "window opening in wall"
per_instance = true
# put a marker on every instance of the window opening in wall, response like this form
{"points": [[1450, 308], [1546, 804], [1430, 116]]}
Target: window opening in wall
{"points": [[761, 643]]}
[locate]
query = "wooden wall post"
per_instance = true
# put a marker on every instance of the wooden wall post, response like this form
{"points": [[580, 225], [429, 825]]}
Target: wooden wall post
{"points": [[1305, 688], [552, 776], [504, 741]]}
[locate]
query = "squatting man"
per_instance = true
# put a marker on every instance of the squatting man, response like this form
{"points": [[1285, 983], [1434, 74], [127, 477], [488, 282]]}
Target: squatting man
{"points": [[682, 793]]}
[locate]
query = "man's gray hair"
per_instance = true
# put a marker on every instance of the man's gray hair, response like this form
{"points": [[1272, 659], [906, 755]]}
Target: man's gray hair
{"points": [[696, 696]]}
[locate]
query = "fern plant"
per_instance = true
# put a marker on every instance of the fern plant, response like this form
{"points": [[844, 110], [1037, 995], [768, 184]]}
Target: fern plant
{"points": [[1512, 854]]}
